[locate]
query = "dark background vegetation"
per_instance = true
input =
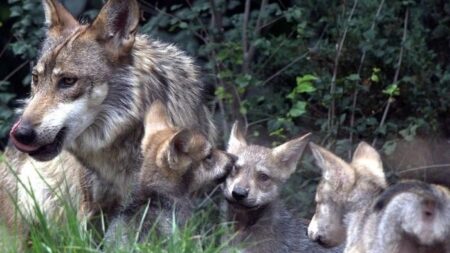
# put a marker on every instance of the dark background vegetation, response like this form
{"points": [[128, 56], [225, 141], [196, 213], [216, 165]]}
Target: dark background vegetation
{"points": [[345, 70]]}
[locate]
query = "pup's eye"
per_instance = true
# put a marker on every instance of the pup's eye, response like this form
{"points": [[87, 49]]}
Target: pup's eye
{"points": [[263, 177], [67, 82], [34, 78], [208, 158], [235, 170]]}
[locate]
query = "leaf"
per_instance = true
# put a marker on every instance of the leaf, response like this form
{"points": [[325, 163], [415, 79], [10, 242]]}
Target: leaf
{"points": [[389, 147], [374, 78], [353, 77], [297, 109], [392, 90]]}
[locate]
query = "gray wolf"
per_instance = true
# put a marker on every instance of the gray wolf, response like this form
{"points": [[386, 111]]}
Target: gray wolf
{"points": [[354, 204], [252, 190], [91, 87], [177, 163]]}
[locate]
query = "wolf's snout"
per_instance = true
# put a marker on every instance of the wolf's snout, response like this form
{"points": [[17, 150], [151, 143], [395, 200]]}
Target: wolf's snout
{"points": [[23, 135], [240, 193]]}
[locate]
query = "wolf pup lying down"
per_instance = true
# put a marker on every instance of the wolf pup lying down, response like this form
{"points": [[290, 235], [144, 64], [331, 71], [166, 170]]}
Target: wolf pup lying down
{"points": [[91, 87], [262, 223], [354, 204], [177, 162]]}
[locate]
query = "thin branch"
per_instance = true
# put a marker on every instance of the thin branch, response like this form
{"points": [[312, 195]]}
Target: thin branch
{"points": [[434, 166], [12, 73], [300, 57], [361, 63], [258, 28], [245, 35], [397, 73], [5, 47], [332, 110]]}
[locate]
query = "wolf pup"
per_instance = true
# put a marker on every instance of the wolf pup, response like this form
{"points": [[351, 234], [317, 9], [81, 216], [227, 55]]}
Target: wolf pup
{"points": [[177, 163], [353, 205], [252, 190], [91, 87], [413, 217]]}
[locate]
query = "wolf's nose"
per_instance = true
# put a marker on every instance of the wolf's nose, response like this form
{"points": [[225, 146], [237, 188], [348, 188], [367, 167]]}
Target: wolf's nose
{"points": [[23, 132], [239, 193]]}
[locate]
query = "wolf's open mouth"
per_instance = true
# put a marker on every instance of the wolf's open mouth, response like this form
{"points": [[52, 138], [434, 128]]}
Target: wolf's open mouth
{"points": [[49, 151]]}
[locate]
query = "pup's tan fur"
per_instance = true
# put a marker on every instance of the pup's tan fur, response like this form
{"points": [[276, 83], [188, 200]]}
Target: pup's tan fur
{"points": [[177, 163]]}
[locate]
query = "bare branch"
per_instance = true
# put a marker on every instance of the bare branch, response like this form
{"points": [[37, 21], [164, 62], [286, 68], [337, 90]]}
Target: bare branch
{"points": [[259, 25], [397, 73], [356, 91], [433, 166], [245, 34], [12, 73], [332, 110], [295, 60]]}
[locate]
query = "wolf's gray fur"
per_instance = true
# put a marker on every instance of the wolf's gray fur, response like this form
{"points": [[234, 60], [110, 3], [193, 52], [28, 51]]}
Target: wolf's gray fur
{"points": [[91, 88], [261, 221]]}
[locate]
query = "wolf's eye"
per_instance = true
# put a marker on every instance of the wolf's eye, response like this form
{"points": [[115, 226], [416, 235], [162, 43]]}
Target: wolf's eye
{"points": [[34, 78], [67, 82], [263, 177]]}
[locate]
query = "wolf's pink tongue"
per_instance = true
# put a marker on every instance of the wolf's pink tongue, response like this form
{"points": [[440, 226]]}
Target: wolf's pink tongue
{"points": [[20, 146]]}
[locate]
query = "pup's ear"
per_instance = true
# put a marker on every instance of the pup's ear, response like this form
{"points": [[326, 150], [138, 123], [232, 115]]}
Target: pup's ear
{"points": [[288, 154], [368, 158], [157, 118], [189, 143], [116, 26], [237, 139], [334, 170], [185, 146], [57, 18]]}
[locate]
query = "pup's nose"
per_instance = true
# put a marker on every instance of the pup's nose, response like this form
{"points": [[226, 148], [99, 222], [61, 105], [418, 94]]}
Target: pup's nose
{"points": [[23, 132], [239, 193]]}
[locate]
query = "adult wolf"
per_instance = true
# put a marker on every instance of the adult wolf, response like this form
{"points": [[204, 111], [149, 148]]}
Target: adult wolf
{"points": [[90, 89]]}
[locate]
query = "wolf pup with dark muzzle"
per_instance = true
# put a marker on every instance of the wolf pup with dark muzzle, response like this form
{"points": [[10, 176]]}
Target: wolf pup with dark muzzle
{"points": [[261, 222]]}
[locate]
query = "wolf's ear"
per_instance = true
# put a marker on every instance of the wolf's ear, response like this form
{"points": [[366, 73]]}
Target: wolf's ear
{"points": [[237, 139], [116, 26], [157, 118], [367, 157], [188, 143], [57, 18], [334, 170], [290, 152]]}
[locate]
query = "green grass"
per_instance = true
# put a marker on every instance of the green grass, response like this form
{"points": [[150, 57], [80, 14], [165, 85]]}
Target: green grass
{"points": [[69, 234]]}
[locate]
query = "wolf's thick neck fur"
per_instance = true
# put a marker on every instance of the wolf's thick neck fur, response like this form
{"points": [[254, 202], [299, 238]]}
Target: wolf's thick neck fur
{"points": [[109, 148]]}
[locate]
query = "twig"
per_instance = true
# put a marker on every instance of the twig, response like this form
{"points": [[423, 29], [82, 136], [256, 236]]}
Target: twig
{"points": [[361, 63], [332, 110], [5, 47], [294, 61], [434, 166], [397, 73], [258, 28], [245, 35], [15, 71]]}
